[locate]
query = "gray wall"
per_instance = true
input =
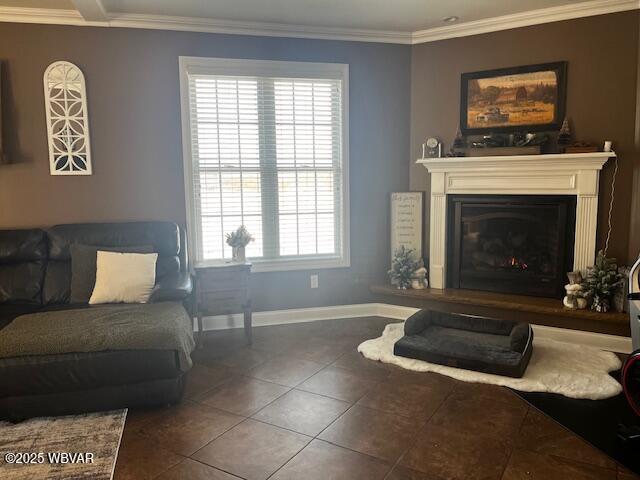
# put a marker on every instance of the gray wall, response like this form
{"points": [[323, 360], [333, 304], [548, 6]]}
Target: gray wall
{"points": [[134, 113]]}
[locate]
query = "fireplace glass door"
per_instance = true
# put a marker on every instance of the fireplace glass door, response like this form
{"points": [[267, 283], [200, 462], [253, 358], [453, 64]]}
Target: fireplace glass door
{"points": [[511, 244]]}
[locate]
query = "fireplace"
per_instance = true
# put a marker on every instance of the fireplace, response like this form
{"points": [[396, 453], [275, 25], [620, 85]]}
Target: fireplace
{"points": [[572, 174], [521, 244]]}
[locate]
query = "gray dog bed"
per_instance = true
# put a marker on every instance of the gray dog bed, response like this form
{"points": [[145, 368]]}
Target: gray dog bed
{"points": [[483, 344]]}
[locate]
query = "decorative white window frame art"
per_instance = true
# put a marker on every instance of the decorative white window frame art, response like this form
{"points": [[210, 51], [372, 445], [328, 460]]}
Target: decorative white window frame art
{"points": [[65, 98]]}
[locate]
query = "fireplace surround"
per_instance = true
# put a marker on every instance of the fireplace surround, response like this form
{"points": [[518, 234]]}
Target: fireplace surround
{"points": [[574, 174]]}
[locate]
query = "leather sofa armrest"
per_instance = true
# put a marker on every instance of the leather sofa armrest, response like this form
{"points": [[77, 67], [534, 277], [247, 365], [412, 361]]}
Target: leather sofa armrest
{"points": [[174, 287], [417, 322]]}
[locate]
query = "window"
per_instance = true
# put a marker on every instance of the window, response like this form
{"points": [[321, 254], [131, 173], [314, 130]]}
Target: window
{"points": [[265, 146]]}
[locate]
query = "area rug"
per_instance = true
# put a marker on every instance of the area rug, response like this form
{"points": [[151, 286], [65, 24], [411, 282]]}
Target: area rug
{"points": [[72, 447], [571, 370]]}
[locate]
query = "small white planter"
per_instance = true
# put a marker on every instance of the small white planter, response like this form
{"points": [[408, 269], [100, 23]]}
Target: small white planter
{"points": [[238, 254]]}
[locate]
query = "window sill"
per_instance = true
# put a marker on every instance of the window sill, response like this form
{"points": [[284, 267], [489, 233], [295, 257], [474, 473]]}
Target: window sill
{"points": [[260, 266], [298, 264]]}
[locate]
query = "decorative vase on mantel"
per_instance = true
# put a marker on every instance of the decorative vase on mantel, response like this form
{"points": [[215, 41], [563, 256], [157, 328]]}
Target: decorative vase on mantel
{"points": [[238, 254]]}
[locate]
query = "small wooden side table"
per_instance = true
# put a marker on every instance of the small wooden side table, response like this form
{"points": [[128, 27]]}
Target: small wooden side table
{"points": [[222, 290]]}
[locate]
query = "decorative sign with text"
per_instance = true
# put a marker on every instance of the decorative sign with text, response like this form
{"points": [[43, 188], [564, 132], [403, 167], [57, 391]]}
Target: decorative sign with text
{"points": [[406, 221]]}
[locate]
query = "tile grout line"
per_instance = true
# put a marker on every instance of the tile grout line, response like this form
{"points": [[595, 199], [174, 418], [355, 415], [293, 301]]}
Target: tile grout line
{"points": [[513, 447], [571, 432], [317, 436], [401, 457], [217, 468]]}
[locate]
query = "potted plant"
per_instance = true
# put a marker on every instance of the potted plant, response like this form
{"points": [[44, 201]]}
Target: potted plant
{"points": [[238, 240], [403, 267], [602, 282]]}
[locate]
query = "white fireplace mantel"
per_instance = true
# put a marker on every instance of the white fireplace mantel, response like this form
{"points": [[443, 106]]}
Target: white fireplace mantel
{"points": [[553, 174]]}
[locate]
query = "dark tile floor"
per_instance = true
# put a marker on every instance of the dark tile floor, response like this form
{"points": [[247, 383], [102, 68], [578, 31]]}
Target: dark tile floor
{"points": [[301, 403]]}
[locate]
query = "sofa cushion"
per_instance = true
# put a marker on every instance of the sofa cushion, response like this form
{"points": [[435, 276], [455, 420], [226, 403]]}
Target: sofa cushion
{"points": [[22, 282], [154, 326], [83, 267], [10, 311], [57, 283], [124, 277], [23, 255], [163, 237]]}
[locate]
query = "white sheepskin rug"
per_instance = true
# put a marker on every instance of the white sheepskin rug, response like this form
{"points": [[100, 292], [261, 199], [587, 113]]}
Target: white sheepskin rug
{"points": [[571, 370]]}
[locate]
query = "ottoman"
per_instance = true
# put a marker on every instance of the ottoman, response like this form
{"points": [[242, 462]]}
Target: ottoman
{"points": [[483, 344]]}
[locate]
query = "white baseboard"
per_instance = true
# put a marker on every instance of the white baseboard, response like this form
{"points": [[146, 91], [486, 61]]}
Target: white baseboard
{"points": [[603, 341], [612, 343], [294, 315]]}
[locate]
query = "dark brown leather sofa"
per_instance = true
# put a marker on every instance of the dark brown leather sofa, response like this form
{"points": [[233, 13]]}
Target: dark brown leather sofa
{"points": [[35, 275]]}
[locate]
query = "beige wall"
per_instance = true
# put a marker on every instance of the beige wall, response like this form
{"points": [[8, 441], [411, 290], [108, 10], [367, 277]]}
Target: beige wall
{"points": [[134, 113], [602, 55], [132, 82]]}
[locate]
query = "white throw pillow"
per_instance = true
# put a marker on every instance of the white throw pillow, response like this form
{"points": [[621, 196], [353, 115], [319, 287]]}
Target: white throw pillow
{"points": [[124, 277]]}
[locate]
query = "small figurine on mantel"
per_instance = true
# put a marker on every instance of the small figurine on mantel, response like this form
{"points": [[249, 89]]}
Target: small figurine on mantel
{"points": [[574, 298], [458, 146], [532, 140], [458, 142], [564, 135]]}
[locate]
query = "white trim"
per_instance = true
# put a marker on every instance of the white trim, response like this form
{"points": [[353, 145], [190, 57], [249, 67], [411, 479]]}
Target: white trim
{"points": [[261, 29], [187, 163], [264, 29], [46, 16], [296, 315], [260, 266], [203, 25], [574, 174], [91, 10], [301, 264], [544, 162], [263, 68], [612, 343], [266, 68], [603, 341]]}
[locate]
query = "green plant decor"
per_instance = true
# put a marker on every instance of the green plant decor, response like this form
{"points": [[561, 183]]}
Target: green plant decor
{"points": [[602, 282], [240, 238], [403, 266]]}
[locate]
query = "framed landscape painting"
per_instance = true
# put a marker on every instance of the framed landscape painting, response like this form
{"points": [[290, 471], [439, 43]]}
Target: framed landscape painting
{"points": [[528, 98]]}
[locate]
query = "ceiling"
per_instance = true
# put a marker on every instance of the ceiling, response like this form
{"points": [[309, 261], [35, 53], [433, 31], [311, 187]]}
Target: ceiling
{"points": [[398, 21], [37, 3], [394, 15]]}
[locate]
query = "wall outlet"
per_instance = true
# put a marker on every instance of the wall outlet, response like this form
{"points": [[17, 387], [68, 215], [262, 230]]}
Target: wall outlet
{"points": [[314, 281]]}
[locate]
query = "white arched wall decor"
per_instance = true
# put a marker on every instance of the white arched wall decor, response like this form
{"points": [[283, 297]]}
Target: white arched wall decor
{"points": [[65, 99]]}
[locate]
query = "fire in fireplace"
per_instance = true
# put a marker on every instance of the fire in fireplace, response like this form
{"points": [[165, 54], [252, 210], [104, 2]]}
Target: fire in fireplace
{"points": [[510, 243]]}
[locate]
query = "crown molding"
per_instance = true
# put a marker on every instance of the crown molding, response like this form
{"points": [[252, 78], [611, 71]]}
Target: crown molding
{"points": [[525, 19], [204, 25], [264, 29], [91, 10], [47, 16]]}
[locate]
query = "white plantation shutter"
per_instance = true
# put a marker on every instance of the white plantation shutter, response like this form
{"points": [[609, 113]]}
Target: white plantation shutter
{"points": [[267, 149]]}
